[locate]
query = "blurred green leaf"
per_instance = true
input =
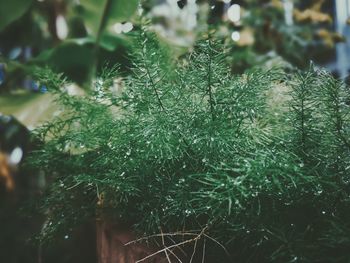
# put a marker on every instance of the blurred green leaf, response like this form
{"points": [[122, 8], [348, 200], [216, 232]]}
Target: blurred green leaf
{"points": [[12, 10], [100, 13], [108, 42], [74, 57], [70, 58]]}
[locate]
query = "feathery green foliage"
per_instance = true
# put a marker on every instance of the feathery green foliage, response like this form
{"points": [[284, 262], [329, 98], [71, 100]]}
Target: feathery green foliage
{"points": [[187, 146]]}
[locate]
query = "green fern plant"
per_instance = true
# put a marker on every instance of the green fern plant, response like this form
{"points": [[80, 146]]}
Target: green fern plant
{"points": [[187, 146]]}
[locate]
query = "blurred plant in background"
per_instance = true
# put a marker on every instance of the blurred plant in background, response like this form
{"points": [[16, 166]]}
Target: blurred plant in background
{"points": [[64, 34], [297, 31]]}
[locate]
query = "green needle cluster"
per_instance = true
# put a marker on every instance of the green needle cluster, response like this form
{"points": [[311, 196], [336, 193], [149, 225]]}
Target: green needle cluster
{"points": [[188, 146]]}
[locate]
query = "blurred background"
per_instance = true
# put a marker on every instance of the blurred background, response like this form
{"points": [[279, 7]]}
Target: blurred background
{"points": [[63, 35], [79, 37]]}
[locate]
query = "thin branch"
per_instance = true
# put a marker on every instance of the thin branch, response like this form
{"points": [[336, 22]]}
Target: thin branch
{"points": [[339, 120], [179, 248], [217, 242], [211, 101], [174, 246], [194, 250], [167, 255], [166, 251], [101, 27], [153, 83], [203, 255], [169, 247], [160, 235], [175, 256], [155, 89]]}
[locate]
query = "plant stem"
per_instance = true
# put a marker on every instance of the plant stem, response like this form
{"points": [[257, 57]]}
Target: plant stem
{"points": [[211, 101], [155, 89], [101, 28]]}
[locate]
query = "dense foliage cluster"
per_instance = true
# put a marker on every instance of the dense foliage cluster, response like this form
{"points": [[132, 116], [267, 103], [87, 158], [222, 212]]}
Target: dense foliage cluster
{"points": [[192, 147]]}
